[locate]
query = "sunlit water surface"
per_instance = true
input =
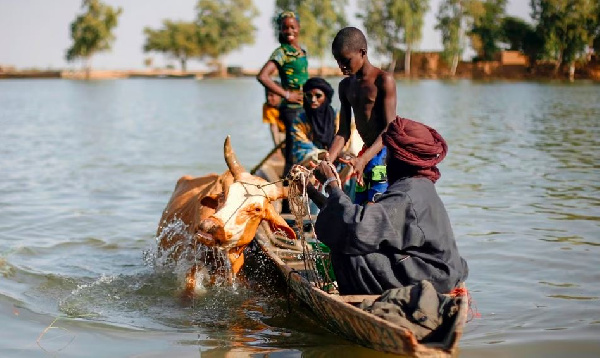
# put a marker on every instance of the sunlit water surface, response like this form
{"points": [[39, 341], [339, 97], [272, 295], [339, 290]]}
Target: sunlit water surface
{"points": [[86, 169]]}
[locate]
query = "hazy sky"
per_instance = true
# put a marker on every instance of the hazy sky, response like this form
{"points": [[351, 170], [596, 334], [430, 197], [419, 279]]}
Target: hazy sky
{"points": [[35, 33]]}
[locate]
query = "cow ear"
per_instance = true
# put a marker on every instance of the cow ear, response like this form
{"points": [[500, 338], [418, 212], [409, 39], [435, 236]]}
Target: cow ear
{"points": [[277, 223], [211, 201]]}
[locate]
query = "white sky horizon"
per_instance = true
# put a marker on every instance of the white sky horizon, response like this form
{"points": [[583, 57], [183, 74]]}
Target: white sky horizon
{"points": [[35, 33]]}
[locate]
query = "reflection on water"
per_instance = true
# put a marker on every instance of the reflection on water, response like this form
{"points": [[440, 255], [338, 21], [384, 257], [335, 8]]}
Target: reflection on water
{"points": [[87, 168]]}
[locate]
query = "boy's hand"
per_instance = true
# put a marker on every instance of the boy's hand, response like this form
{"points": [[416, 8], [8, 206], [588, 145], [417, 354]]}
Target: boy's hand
{"points": [[358, 166], [324, 156]]}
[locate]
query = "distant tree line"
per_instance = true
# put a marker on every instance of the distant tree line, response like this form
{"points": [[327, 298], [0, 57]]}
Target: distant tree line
{"points": [[563, 31]]}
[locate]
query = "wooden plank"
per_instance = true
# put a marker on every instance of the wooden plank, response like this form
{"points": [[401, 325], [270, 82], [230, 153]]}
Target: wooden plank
{"points": [[356, 298]]}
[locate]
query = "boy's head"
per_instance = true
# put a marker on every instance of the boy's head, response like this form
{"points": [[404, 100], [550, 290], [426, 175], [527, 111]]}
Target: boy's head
{"points": [[272, 98], [349, 49]]}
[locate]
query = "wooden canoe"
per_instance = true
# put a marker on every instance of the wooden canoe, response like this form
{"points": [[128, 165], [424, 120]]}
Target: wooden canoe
{"points": [[341, 315]]}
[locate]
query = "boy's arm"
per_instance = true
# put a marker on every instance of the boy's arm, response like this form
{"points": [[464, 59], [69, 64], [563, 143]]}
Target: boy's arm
{"points": [[343, 133], [389, 99], [388, 87]]}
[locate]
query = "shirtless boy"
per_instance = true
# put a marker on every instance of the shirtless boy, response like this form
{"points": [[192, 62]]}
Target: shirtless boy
{"points": [[370, 93]]}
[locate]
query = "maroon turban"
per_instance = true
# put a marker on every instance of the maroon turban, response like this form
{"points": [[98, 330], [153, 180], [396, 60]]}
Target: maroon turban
{"points": [[415, 146]]}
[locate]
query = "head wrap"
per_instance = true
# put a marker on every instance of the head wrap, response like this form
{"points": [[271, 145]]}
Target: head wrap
{"points": [[318, 82], [414, 149], [322, 119], [285, 14]]}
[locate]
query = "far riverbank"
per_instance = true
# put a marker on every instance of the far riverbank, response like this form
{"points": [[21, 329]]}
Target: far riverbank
{"points": [[491, 70]]}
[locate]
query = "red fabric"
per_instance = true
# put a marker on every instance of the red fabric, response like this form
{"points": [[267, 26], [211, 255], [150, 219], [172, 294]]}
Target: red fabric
{"points": [[416, 145], [362, 150]]}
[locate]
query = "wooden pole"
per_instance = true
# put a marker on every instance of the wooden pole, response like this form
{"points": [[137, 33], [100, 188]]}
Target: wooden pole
{"points": [[267, 157]]}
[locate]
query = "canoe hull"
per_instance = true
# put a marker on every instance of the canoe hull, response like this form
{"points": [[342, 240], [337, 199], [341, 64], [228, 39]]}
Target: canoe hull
{"points": [[357, 325]]}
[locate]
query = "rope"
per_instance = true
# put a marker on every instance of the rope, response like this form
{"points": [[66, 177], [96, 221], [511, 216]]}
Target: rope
{"points": [[472, 312], [298, 179], [259, 186]]}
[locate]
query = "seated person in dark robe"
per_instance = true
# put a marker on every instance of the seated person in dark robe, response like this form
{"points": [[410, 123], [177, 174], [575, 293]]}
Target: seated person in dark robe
{"points": [[404, 236]]}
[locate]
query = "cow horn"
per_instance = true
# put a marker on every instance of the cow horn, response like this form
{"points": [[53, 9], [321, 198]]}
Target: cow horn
{"points": [[232, 163]]}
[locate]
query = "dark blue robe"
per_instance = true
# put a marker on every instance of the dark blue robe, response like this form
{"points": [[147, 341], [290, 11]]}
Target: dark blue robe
{"points": [[401, 239]]}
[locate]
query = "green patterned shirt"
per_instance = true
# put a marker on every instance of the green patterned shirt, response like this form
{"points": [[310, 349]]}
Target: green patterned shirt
{"points": [[292, 65]]}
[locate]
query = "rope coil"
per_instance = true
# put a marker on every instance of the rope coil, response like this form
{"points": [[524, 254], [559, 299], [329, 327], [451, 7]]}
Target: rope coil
{"points": [[298, 179]]}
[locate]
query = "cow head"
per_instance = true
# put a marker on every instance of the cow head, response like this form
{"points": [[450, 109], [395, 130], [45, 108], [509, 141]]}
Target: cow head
{"points": [[239, 210]]}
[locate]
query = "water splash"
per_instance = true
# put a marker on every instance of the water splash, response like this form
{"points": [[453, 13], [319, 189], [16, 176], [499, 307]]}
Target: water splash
{"points": [[179, 252], [77, 305], [102, 280]]}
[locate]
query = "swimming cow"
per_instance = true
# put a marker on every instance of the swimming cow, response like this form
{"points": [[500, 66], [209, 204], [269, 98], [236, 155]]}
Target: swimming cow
{"points": [[218, 211]]}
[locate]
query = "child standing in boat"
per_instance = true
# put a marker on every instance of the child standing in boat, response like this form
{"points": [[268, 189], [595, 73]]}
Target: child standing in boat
{"points": [[370, 93], [290, 61]]}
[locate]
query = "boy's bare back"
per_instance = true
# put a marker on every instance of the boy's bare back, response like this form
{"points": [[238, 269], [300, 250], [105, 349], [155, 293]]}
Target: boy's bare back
{"points": [[367, 98]]}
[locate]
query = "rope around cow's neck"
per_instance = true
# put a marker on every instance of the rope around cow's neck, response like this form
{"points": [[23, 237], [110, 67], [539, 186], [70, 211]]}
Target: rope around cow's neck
{"points": [[259, 186]]}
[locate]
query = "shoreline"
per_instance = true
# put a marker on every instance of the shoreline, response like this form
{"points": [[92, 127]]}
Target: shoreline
{"points": [[522, 74]]}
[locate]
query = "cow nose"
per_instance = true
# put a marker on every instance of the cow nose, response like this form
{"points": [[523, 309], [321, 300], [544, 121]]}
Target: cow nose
{"points": [[215, 230]]}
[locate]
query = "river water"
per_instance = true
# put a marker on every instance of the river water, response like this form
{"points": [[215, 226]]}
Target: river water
{"points": [[86, 169]]}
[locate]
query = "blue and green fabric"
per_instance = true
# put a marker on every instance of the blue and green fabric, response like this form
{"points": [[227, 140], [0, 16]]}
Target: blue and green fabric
{"points": [[304, 147], [374, 179]]}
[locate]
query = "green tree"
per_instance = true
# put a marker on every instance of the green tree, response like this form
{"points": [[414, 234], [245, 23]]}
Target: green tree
{"points": [[594, 28], [413, 13], [393, 23], [567, 27], [91, 31], [519, 35], [224, 26], [486, 32], [178, 39], [384, 30], [514, 31], [451, 23], [320, 20]]}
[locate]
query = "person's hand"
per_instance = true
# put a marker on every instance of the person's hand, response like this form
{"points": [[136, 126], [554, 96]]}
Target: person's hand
{"points": [[324, 171], [358, 166], [324, 156], [295, 97]]}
